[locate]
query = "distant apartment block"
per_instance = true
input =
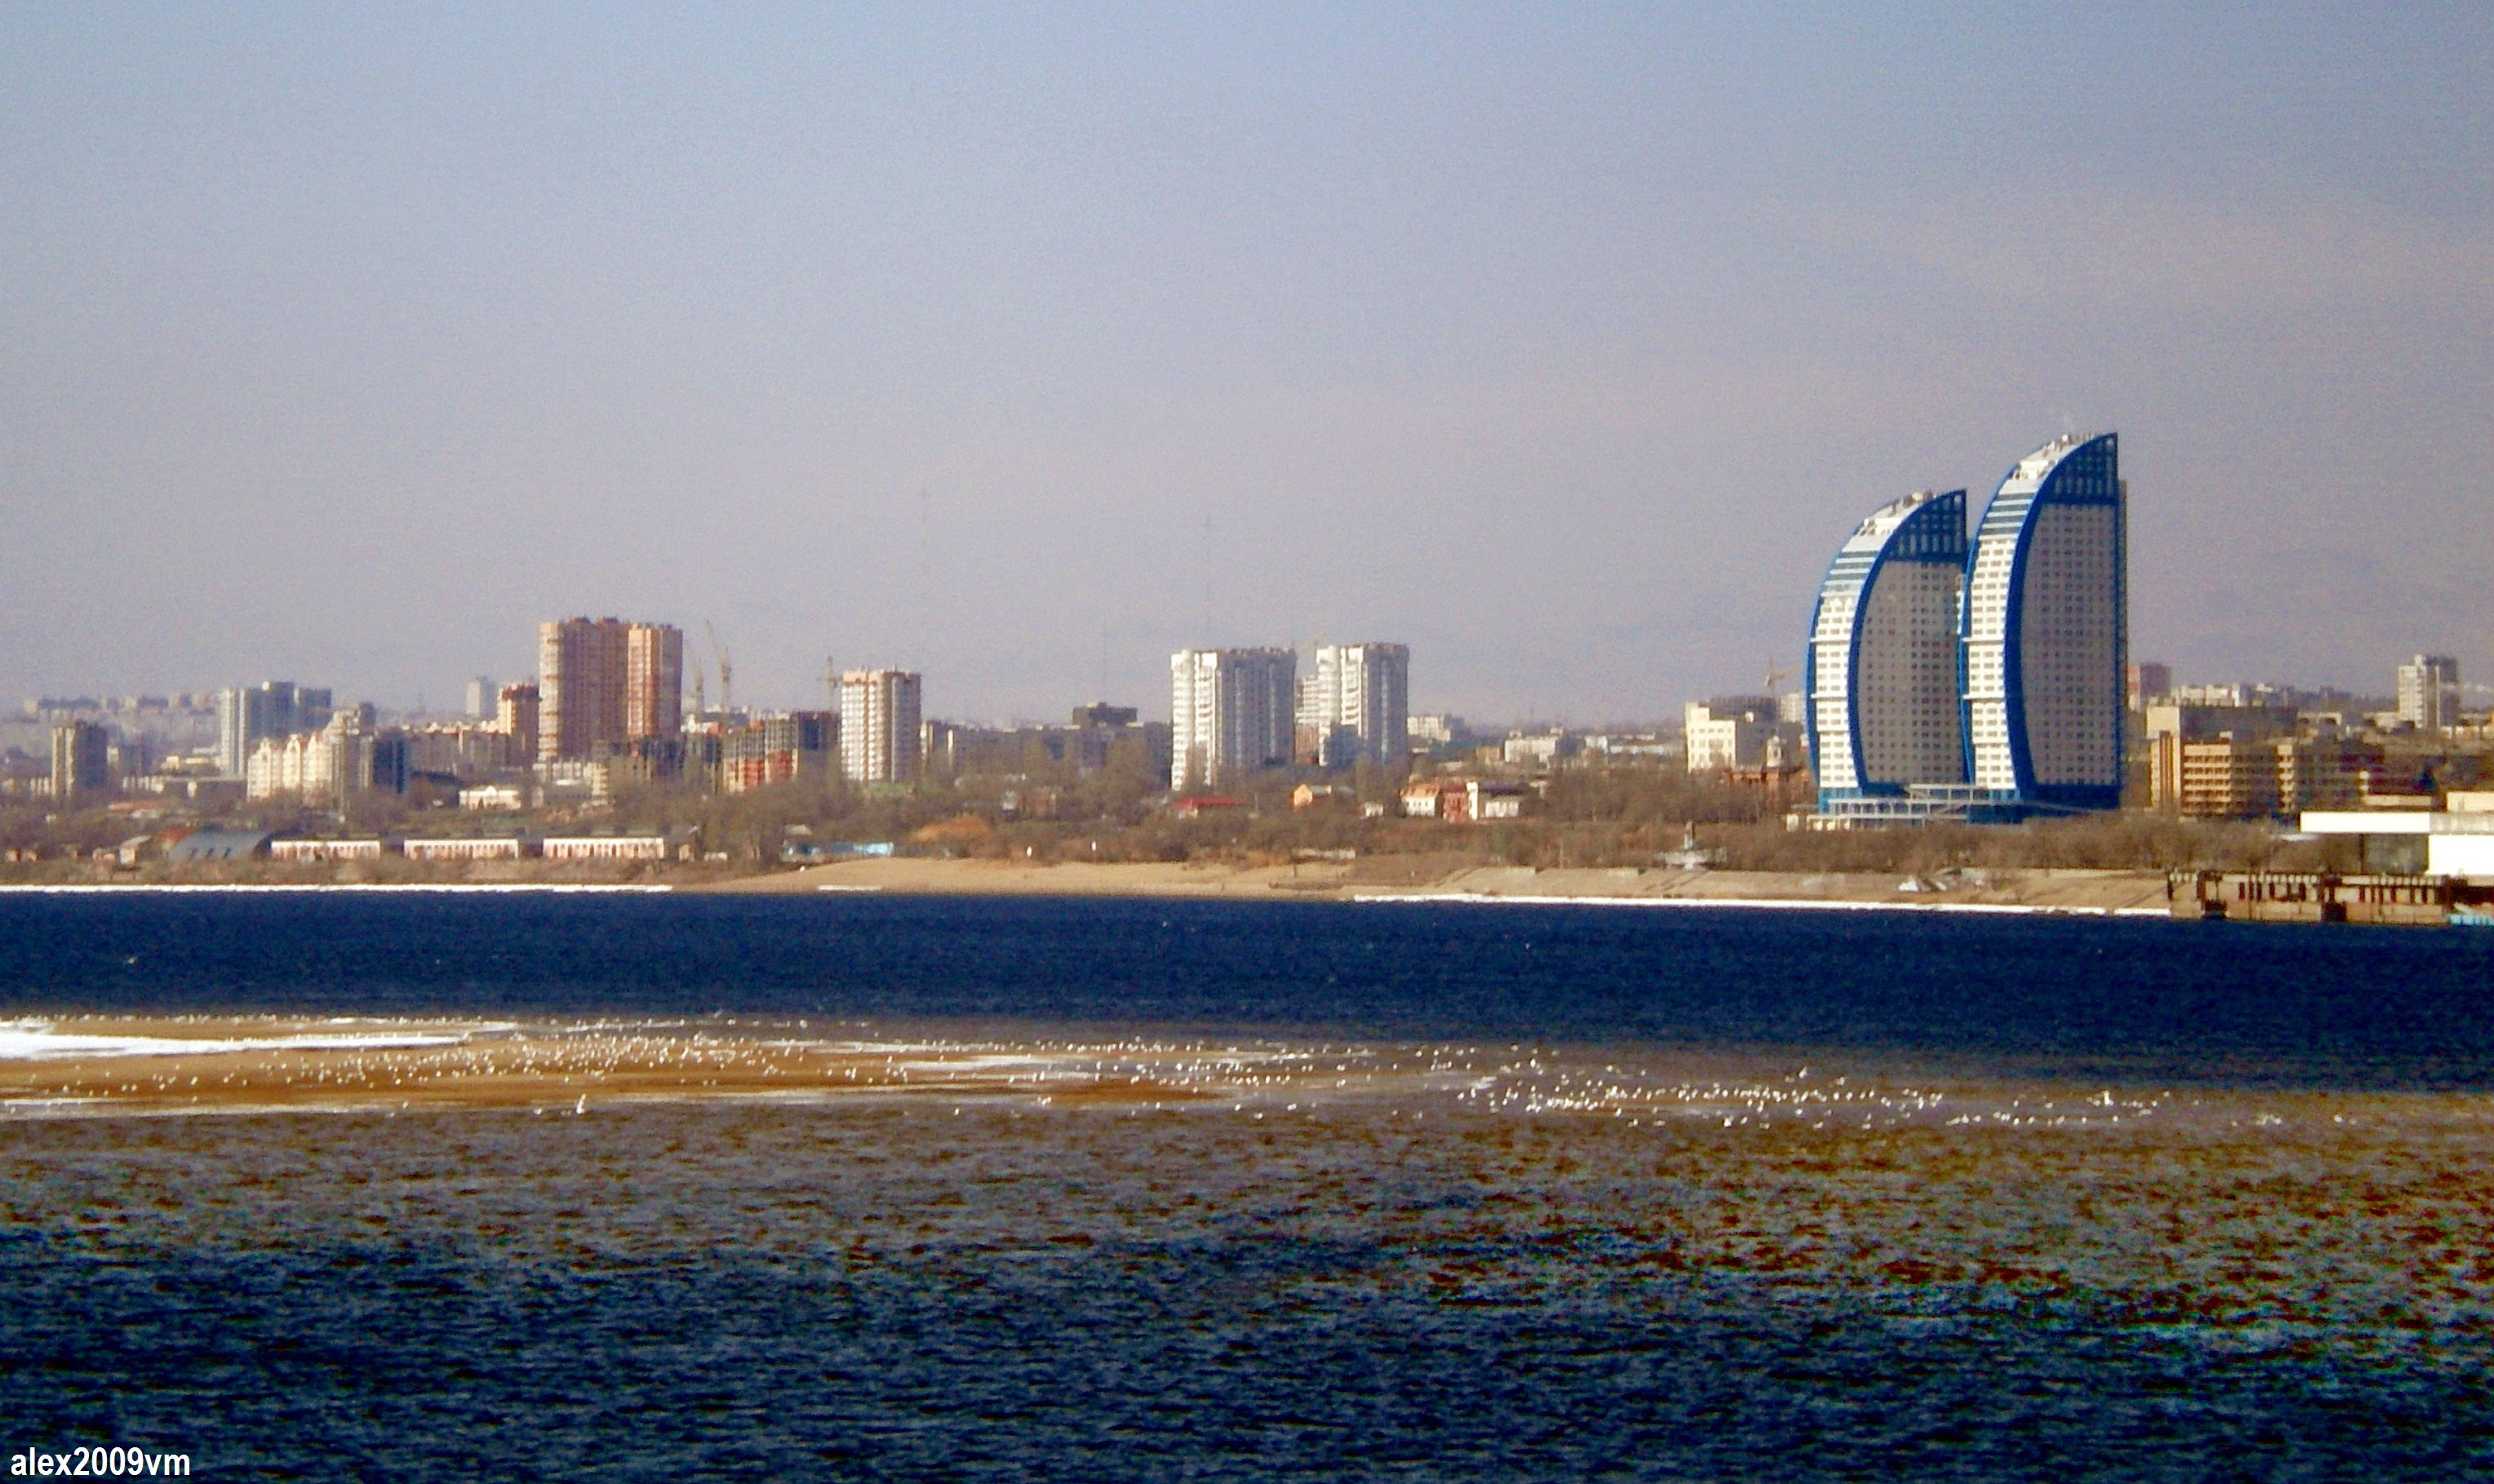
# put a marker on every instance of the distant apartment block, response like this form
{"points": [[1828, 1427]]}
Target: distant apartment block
{"points": [[777, 749], [2173, 727], [2251, 762], [879, 726], [2429, 693], [1231, 711], [2146, 682], [2228, 777], [653, 682], [516, 716], [313, 765], [1637, 746], [82, 761], [1738, 733], [2328, 773], [247, 714], [453, 750], [1354, 707], [1539, 752], [604, 685], [480, 697], [1097, 737], [580, 685]]}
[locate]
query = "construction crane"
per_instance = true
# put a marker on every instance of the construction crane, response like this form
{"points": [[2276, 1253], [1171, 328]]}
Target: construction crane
{"points": [[726, 668], [1777, 676]]}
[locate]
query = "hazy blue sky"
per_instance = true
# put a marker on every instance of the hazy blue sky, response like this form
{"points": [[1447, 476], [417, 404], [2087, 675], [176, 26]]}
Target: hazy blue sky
{"points": [[1024, 346]]}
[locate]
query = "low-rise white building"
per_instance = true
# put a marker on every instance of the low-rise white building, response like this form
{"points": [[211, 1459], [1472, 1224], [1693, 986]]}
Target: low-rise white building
{"points": [[325, 850], [1493, 800], [1732, 732], [499, 798], [1464, 801], [605, 847], [468, 848], [1539, 750], [2458, 842]]}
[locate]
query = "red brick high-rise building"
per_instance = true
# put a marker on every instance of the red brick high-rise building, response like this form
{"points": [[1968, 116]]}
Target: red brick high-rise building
{"points": [[604, 684]]}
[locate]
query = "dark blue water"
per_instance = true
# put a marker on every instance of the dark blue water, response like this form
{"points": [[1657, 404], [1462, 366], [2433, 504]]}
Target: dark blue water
{"points": [[2140, 998], [883, 1291]]}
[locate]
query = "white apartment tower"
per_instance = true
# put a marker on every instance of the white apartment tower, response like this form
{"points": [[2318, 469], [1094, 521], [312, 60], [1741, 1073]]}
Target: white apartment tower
{"points": [[1229, 712], [879, 711], [2429, 693], [1357, 704]]}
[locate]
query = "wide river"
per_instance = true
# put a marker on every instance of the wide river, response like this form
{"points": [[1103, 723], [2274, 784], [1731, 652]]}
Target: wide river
{"points": [[407, 1185]]}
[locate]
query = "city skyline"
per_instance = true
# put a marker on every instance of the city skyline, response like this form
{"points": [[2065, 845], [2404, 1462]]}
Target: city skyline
{"points": [[2473, 695], [352, 346]]}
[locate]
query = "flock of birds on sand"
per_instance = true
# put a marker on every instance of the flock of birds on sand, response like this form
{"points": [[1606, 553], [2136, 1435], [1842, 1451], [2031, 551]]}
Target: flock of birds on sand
{"points": [[571, 1067]]}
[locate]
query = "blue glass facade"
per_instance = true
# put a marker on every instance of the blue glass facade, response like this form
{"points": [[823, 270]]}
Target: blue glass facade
{"points": [[2044, 634], [1979, 678], [1882, 666]]}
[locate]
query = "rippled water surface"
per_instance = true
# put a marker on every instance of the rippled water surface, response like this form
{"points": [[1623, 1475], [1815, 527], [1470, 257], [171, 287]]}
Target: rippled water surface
{"points": [[1628, 1194]]}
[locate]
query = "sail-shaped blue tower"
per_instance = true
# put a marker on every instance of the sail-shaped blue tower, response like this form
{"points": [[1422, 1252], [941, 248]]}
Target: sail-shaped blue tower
{"points": [[1882, 670], [2045, 634]]}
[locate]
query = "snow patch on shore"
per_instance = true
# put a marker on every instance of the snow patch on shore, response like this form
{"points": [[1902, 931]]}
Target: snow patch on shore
{"points": [[38, 1041]]}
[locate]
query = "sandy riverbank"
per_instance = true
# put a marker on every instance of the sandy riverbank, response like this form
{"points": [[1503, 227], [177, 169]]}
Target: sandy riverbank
{"points": [[66, 1066], [1380, 878], [74, 1065], [2067, 890]]}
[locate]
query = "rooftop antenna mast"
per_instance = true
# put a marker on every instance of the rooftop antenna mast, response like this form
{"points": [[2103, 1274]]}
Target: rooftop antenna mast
{"points": [[926, 573], [726, 669]]}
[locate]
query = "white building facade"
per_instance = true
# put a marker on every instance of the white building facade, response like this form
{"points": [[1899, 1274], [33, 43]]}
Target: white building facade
{"points": [[603, 847], [1231, 711], [879, 721], [2429, 693], [1742, 731], [1358, 703], [324, 764]]}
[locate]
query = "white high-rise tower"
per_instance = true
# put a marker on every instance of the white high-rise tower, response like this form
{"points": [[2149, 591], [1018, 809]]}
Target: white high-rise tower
{"points": [[1357, 704], [879, 717], [1229, 712]]}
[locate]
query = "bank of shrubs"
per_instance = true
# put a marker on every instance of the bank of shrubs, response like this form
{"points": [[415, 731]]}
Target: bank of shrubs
{"points": [[1592, 816]]}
